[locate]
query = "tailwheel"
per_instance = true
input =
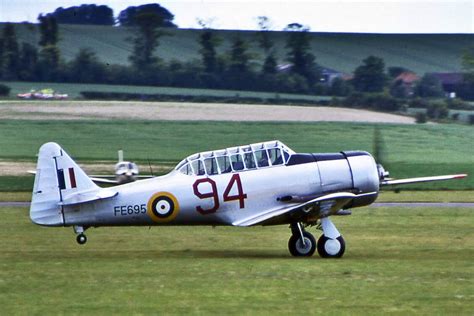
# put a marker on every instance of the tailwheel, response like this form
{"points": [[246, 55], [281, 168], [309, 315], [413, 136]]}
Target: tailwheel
{"points": [[302, 247], [331, 248], [81, 239]]}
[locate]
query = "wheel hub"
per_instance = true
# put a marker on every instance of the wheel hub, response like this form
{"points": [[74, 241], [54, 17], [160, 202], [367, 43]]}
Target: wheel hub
{"points": [[332, 246], [303, 248]]}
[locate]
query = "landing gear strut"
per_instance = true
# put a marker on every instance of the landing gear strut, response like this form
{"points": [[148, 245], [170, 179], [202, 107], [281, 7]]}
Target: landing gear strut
{"points": [[330, 244], [81, 238], [301, 243]]}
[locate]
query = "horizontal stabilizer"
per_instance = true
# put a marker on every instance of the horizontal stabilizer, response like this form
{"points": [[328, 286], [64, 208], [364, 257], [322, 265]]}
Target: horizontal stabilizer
{"points": [[103, 180], [88, 196], [422, 179]]}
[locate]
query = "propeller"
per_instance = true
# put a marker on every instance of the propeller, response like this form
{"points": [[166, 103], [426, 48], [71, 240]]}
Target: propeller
{"points": [[378, 154]]}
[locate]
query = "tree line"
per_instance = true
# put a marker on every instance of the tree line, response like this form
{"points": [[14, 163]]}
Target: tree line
{"points": [[237, 68], [92, 14]]}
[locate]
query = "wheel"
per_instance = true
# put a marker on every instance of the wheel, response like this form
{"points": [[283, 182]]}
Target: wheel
{"points": [[81, 239], [331, 248], [296, 247]]}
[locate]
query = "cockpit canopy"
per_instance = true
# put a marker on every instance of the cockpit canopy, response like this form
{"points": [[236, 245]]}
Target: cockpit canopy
{"points": [[249, 157]]}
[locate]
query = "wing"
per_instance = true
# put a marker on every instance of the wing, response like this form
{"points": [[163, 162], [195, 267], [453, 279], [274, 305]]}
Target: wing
{"points": [[324, 205], [422, 179]]}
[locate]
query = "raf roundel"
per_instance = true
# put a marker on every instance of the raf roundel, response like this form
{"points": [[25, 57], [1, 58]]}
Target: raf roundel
{"points": [[162, 207]]}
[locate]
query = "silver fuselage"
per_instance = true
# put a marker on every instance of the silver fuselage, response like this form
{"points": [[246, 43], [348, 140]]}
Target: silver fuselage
{"points": [[303, 176]]}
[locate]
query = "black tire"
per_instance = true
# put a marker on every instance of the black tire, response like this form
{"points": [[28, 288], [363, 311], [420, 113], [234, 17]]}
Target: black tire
{"points": [[337, 248], [81, 239], [296, 248]]}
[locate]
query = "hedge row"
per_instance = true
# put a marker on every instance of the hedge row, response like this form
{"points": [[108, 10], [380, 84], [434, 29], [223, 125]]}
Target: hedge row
{"points": [[124, 96]]}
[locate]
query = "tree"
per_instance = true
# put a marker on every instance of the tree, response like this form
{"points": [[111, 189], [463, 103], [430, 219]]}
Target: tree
{"points": [[28, 62], [398, 89], [370, 76], [209, 41], [468, 64], [48, 27], [296, 27], [146, 40], [266, 44], [86, 67], [303, 62], [10, 53], [395, 71], [84, 14], [269, 65], [340, 87], [429, 86], [264, 40], [239, 56], [163, 17], [49, 60], [49, 56]]}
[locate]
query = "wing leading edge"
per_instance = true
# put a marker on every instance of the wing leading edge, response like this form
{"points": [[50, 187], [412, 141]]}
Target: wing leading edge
{"points": [[422, 179], [328, 204]]}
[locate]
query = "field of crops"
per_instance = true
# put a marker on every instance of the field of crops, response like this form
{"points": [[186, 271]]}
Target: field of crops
{"points": [[407, 150], [340, 51], [402, 261]]}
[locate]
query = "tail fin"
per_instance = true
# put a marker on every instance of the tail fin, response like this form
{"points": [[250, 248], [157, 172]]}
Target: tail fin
{"points": [[58, 179]]}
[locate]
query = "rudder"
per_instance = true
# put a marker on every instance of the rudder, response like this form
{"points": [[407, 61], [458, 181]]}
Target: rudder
{"points": [[57, 178]]}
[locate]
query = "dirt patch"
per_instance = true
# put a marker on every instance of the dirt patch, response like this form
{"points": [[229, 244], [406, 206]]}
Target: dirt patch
{"points": [[78, 110]]}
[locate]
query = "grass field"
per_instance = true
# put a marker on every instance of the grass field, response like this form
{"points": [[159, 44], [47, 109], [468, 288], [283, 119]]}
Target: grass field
{"points": [[340, 51], [398, 261], [408, 150]]}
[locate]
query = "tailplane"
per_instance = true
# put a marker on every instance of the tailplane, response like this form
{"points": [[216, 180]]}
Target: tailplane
{"points": [[58, 182]]}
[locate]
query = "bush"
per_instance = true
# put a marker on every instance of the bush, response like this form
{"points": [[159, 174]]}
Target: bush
{"points": [[458, 104], [379, 102], [4, 90], [419, 103], [471, 119], [437, 110], [421, 117]]}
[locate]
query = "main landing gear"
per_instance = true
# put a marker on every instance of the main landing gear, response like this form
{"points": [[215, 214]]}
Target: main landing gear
{"points": [[80, 238], [330, 244]]}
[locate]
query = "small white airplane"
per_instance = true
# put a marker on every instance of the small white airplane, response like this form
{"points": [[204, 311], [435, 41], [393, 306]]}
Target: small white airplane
{"points": [[258, 184], [125, 172]]}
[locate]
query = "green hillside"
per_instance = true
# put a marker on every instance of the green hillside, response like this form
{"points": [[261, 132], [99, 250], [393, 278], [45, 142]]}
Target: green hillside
{"points": [[341, 51]]}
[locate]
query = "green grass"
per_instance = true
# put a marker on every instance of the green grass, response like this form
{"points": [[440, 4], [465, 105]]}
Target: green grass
{"points": [[400, 261], [426, 196], [23, 196], [408, 150], [341, 51]]}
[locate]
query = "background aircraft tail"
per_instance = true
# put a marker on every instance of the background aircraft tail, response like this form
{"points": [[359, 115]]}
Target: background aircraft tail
{"points": [[58, 180]]}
